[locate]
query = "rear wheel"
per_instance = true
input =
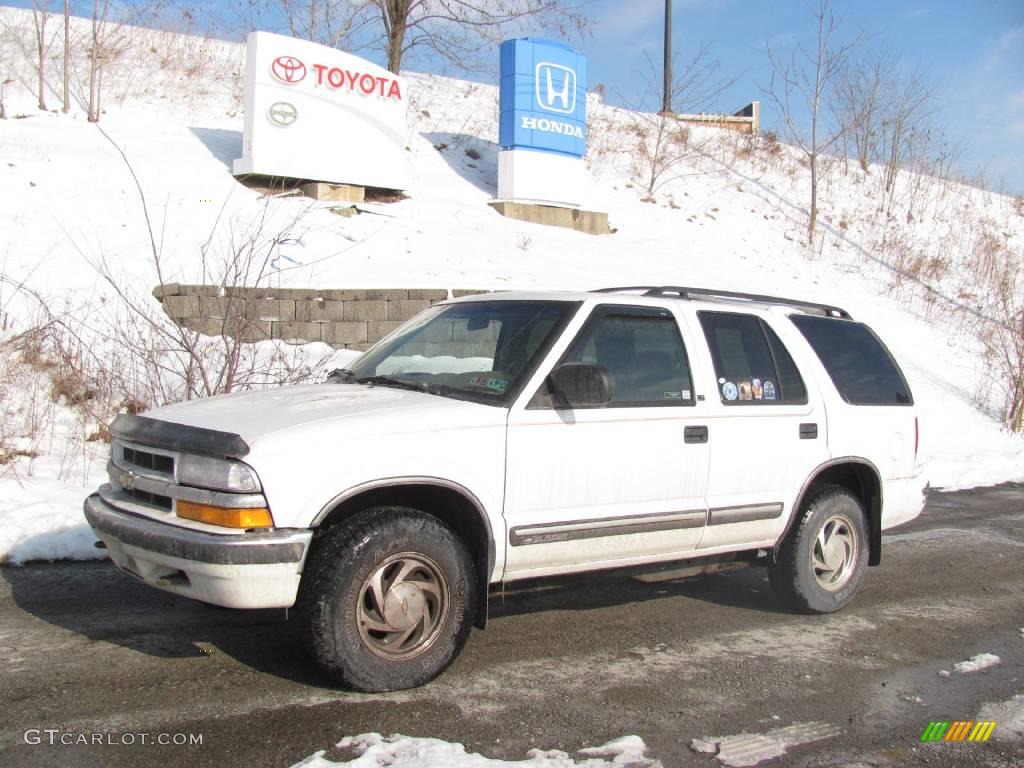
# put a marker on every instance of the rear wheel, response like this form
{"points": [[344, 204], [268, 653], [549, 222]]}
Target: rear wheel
{"points": [[387, 599], [820, 566]]}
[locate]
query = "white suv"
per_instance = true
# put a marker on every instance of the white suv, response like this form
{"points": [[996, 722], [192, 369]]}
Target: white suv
{"points": [[508, 436]]}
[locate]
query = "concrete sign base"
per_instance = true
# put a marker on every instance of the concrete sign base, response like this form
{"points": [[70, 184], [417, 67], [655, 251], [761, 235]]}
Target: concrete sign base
{"points": [[589, 222]]}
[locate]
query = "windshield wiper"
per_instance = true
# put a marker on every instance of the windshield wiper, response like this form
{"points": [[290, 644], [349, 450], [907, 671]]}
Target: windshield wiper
{"points": [[342, 374], [387, 381]]}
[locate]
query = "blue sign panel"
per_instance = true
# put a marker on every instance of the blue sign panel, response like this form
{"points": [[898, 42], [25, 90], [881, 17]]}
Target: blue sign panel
{"points": [[543, 98]]}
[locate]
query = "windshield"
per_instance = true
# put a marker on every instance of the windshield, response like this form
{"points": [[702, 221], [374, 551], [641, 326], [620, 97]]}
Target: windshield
{"points": [[480, 351]]}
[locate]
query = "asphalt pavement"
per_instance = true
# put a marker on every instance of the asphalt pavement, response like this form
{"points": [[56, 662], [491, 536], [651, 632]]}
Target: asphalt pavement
{"points": [[87, 653]]}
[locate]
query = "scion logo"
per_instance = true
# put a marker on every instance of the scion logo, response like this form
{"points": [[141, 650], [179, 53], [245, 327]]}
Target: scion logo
{"points": [[282, 113], [288, 69], [556, 88]]}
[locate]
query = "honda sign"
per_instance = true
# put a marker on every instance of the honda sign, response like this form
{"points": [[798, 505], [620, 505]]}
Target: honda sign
{"points": [[543, 122], [543, 102]]}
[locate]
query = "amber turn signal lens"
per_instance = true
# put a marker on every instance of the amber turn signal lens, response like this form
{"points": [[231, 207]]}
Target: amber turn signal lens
{"points": [[225, 517]]}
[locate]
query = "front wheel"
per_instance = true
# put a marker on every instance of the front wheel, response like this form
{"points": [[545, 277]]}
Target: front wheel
{"points": [[820, 566], [387, 599]]}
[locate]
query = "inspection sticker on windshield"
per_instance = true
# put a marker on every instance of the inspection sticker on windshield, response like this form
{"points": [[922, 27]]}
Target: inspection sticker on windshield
{"points": [[488, 382]]}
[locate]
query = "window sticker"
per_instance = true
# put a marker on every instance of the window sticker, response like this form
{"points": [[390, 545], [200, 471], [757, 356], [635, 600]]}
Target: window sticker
{"points": [[686, 395], [769, 390], [756, 389], [745, 393], [673, 395], [489, 382], [729, 391]]}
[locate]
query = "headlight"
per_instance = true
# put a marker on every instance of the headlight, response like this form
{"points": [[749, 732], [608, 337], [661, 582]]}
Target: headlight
{"points": [[217, 474]]}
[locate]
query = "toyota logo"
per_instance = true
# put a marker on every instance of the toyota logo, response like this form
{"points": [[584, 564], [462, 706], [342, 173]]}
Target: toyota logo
{"points": [[282, 113], [288, 69]]}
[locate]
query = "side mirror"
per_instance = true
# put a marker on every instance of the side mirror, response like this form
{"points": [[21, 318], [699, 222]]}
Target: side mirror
{"points": [[581, 384]]}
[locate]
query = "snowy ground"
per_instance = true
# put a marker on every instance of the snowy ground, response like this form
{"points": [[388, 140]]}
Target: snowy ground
{"points": [[735, 221], [373, 750], [561, 667]]}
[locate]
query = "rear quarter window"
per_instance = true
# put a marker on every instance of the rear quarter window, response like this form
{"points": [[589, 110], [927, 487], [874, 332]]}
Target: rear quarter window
{"points": [[860, 366], [751, 362]]}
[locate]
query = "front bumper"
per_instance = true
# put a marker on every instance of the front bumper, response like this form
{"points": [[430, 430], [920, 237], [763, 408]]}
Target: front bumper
{"points": [[253, 570]]}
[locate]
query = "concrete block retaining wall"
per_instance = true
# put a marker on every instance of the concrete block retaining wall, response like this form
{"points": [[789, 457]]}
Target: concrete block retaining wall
{"points": [[344, 318]]}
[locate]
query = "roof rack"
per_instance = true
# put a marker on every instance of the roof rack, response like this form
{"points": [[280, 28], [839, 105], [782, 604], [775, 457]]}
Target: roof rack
{"points": [[691, 293]]}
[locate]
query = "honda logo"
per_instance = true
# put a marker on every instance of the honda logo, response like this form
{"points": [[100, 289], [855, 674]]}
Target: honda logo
{"points": [[556, 88], [288, 69]]}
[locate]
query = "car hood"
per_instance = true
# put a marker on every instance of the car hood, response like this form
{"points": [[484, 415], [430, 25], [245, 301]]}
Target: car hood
{"points": [[259, 413]]}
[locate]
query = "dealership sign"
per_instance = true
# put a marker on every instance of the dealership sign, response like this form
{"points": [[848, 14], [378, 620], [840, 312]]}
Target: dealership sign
{"points": [[319, 114], [542, 130], [543, 99]]}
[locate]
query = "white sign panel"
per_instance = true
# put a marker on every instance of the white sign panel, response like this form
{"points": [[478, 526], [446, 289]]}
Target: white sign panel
{"points": [[319, 114]]}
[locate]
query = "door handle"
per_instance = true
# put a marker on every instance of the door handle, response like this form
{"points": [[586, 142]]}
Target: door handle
{"points": [[808, 431], [695, 435]]}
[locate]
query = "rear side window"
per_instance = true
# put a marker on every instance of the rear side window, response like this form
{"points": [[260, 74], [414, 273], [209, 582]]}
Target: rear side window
{"points": [[859, 364], [752, 365]]}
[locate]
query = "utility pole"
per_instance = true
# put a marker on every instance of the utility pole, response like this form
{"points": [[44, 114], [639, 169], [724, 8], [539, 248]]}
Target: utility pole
{"points": [[67, 55], [666, 102]]}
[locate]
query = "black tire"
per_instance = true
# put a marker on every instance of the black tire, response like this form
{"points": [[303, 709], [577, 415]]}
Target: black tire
{"points": [[820, 566], [424, 574]]}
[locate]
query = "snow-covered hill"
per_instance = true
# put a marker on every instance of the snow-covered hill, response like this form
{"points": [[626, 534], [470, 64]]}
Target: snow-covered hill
{"points": [[735, 220]]}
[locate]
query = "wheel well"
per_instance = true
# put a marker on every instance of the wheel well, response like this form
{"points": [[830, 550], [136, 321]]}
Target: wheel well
{"points": [[456, 510], [862, 481]]}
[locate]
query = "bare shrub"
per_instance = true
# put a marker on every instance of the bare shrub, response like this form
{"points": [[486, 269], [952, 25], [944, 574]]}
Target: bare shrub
{"points": [[40, 15], [802, 87], [1004, 351], [665, 144]]}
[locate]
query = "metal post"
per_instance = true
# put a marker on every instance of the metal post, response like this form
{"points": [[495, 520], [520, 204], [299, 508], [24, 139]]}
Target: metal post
{"points": [[666, 103]]}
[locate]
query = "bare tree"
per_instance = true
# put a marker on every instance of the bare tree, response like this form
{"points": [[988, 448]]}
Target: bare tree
{"points": [[100, 9], [699, 81], [335, 23], [3, 86], [108, 39], [861, 103], [665, 143], [903, 126], [67, 57], [454, 29], [801, 87], [40, 15]]}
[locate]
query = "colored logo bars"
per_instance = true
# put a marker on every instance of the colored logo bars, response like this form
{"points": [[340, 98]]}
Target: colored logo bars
{"points": [[959, 730]]}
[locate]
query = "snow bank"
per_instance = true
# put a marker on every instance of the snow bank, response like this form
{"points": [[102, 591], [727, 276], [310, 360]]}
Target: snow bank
{"points": [[747, 749], [42, 520], [373, 750], [977, 663]]}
